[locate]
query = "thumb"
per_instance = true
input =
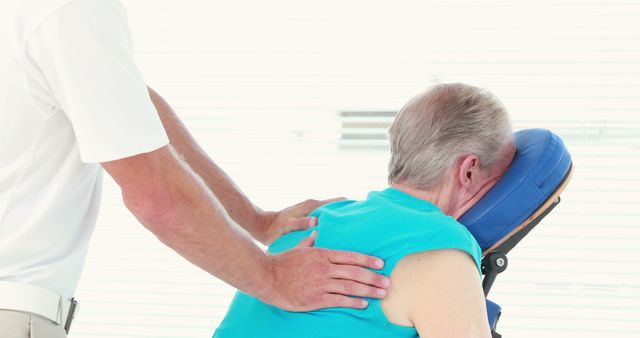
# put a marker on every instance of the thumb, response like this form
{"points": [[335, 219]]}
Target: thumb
{"points": [[309, 241]]}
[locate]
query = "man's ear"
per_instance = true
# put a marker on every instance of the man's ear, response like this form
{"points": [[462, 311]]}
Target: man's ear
{"points": [[468, 171]]}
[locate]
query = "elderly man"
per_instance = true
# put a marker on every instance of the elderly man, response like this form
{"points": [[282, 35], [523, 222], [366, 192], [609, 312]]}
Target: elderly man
{"points": [[449, 146], [72, 102]]}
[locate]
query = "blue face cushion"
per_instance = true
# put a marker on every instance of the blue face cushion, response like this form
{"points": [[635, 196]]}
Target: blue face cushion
{"points": [[539, 167]]}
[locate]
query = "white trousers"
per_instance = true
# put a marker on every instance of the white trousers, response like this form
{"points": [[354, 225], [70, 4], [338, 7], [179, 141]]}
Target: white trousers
{"points": [[15, 324]]}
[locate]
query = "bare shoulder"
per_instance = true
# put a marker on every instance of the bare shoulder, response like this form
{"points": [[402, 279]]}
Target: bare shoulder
{"points": [[433, 289]]}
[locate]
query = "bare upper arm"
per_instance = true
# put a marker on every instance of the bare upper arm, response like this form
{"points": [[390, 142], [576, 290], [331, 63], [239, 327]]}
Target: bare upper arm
{"points": [[138, 171], [439, 292]]}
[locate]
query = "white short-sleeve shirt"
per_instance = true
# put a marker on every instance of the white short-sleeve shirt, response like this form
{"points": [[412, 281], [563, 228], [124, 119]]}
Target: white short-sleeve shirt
{"points": [[71, 97]]}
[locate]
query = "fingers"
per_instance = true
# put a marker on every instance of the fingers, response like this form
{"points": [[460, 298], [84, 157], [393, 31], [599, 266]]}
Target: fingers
{"points": [[308, 206], [354, 258], [360, 275], [302, 223], [351, 288], [296, 216], [334, 300], [307, 279], [331, 200], [309, 241]]}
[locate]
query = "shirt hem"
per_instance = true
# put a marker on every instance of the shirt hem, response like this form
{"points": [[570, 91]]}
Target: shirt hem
{"points": [[124, 150]]}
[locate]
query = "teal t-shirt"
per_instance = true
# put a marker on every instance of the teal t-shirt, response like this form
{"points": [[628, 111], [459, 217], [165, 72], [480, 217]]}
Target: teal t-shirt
{"points": [[389, 224]]}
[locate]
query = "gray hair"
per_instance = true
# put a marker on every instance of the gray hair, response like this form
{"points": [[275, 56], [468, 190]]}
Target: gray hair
{"points": [[438, 126]]}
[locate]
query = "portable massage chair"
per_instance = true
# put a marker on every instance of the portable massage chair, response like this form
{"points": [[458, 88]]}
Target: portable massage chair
{"points": [[528, 191]]}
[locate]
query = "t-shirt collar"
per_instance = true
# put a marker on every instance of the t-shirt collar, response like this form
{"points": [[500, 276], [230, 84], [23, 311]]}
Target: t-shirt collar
{"points": [[403, 198]]}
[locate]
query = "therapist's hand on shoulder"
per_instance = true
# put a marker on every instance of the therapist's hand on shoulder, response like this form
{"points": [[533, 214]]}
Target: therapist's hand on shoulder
{"points": [[293, 218], [306, 278]]}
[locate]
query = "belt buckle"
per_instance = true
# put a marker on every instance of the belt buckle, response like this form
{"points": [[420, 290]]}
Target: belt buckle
{"points": [[70, 315]]}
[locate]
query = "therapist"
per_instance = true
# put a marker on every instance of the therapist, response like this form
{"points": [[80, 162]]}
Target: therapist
{"points": [[73, 102]]}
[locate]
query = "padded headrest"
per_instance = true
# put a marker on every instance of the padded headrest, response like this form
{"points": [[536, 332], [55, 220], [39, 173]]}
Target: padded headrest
{"points": [[540, 164]]}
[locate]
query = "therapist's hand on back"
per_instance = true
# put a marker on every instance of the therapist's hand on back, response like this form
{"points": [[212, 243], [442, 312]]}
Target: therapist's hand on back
{"points": [[307, 278]]}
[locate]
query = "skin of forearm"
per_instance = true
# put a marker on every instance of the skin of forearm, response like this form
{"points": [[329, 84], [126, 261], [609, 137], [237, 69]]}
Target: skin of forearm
{"points": [[237, 205], [188, 218]]}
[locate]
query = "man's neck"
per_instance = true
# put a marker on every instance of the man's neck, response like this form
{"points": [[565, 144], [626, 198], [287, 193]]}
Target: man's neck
{"points": [[434, 196]]}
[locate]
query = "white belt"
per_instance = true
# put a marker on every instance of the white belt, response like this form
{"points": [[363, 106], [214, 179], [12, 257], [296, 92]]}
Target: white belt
{"points": [[34, 299]]}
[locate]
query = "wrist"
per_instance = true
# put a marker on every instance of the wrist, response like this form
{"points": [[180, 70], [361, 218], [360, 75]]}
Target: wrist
{"points": [[267, 292], [263, 223]]}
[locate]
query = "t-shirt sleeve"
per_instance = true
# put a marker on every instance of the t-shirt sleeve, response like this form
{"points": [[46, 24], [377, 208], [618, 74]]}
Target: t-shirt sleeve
{"points": [[84, 52], [448, 234]]}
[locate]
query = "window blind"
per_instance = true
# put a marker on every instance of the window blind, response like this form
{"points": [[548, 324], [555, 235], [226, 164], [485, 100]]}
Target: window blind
{"points": [[275, 92]]}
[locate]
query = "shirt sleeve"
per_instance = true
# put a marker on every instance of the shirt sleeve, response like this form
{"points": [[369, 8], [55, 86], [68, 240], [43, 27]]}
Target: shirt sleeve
{"points": [[84, 52]]}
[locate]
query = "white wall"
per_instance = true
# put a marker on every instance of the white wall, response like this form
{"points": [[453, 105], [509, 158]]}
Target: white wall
{"points": [[260, 84]]}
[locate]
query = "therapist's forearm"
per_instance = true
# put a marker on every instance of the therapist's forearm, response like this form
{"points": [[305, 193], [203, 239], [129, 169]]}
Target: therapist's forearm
{"points": [[169, 199], [236, 203]]}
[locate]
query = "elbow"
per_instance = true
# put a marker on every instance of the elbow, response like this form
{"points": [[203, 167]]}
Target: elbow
{"points": [[155, 188], [156, 209]]}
